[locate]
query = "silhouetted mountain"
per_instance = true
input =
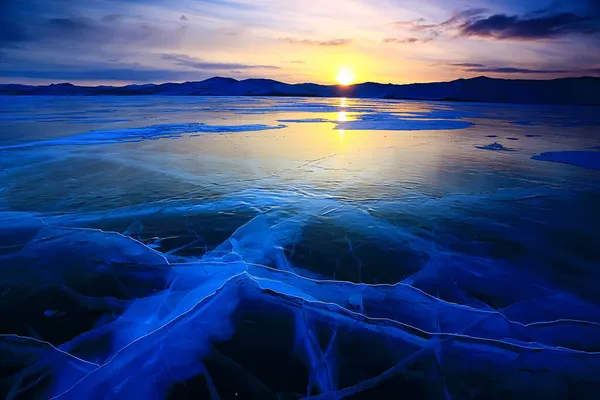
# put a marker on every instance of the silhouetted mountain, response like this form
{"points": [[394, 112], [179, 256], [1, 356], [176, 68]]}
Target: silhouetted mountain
{"points": [[584, 90]]}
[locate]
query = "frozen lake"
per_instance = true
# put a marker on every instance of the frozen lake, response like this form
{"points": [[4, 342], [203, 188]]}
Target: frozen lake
{"points": [[188, 247]]}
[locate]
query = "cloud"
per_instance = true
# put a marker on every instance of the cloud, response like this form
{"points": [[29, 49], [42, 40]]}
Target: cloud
{"points": [[416, 24], [426, 32], [119, 70], [111, 18], [482, 68], [465, 16], [297, 62], [125, 36], [327, 43], [500, 26], [109, 29], [228, 31], [125, 74], [191, 62], [11, 34], [539, 24], [471, 65], [510, 70], [420, 24], [408, 40], [57, 42]]}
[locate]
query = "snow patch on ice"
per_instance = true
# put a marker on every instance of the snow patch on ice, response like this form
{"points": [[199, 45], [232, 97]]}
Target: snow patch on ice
{"points": [[495, 147], [143, 133], [391, 122], [584, 159], [305, 120]]}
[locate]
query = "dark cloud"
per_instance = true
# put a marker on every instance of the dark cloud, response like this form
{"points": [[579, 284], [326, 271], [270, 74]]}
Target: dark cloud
{"points": [[310, 42], [510, 70], [426, 32], [482, 68], [111, 18], [72, 25], [11, 34], [538, 24], [467, 65], [593, 7], [191, 62], [110, 29], [100, 74], [80, 70], [500, 26], [183, 18]]}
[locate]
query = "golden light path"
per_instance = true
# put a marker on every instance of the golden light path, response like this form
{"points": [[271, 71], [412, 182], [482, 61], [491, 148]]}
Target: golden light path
{"points": [[342, 116]]}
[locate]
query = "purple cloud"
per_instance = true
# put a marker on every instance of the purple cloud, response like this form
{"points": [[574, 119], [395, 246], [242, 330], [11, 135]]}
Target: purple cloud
{"points": [[191, 62], [500, 26], [310, 42]]}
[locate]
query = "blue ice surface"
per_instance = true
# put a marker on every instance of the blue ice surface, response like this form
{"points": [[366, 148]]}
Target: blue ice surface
{"points": [[581, 158], [202, 315], [97, 121], [431, 271], [152, 132]]}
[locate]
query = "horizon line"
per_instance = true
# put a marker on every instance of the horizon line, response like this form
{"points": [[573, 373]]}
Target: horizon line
{"points": [[300, 83]]}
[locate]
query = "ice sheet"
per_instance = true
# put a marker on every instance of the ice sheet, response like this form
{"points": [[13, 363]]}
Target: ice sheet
{"points": [[305, 262], [584, 159], [495, 146], [153, 132], [388, 121]]}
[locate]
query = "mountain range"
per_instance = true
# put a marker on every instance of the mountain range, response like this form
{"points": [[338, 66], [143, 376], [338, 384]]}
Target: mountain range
{"points": [[576, 91]]}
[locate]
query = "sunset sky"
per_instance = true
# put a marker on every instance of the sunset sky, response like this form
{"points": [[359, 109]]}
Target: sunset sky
{"points": [[141, 41]]}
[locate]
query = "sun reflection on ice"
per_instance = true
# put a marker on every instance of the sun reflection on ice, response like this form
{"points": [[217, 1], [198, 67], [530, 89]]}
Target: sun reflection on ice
{"points": [[342, 116]]}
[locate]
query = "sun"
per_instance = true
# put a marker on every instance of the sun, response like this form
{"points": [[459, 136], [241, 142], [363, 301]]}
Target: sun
{"points": [[345, 76]]}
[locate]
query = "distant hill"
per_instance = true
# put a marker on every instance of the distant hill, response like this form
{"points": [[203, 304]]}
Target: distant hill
{"points": [[583, 91]]}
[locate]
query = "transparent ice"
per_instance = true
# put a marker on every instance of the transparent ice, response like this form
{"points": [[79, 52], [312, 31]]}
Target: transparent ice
{"points": [[170, 248]]}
